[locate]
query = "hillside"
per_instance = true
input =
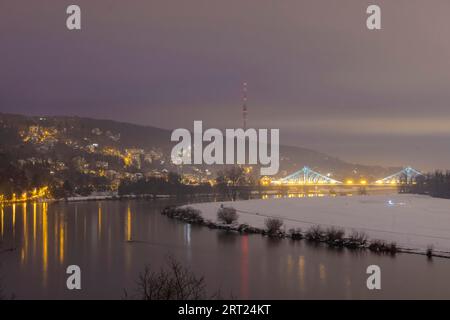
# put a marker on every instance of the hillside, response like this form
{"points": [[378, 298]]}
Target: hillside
{"points": [[65, 138]]}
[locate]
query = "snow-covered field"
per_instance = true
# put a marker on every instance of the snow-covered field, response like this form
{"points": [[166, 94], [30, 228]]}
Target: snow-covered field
{"points": [[412, 221]]}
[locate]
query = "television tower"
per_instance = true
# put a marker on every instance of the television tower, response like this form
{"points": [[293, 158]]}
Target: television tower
{"points": [[244, 105]]}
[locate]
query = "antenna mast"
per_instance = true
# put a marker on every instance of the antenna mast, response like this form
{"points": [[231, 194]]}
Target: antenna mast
{"points": [[244, 105]]}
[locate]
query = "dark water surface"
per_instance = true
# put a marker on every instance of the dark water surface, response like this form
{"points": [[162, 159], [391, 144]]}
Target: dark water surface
{"points": [[112, 241]]}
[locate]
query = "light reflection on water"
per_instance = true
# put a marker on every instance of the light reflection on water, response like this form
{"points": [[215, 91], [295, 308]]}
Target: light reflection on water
{"points": [[112, 241]]}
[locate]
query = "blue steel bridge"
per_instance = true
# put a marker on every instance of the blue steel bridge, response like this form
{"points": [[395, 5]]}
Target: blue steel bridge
{"points": [[307, 176]]}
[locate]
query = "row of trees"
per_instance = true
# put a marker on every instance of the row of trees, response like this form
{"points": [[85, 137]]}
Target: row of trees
{"points": [[171, 185], [15, 180], [435, 184], [229, 183]]}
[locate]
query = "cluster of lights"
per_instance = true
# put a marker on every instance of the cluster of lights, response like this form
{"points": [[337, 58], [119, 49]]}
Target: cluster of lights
{"points": [[300, 182], [319, 182], [361, 182], [35, 194], [392, 182]]}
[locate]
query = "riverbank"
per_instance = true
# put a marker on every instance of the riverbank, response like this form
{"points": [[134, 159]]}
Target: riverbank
{"points": [[413, 223], [104, 198]]}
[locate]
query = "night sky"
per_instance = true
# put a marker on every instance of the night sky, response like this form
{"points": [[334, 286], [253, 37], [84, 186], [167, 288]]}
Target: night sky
{"points": [[313, 70]]}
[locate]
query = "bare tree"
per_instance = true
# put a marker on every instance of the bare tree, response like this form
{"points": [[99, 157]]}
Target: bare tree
{"points": [[230, 179], [273, 225], [175, 282]]}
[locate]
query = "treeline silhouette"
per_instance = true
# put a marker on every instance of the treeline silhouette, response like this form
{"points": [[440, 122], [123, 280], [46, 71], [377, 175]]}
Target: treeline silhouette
{"points": [[231, 183], [168, 186], [435, 184]]}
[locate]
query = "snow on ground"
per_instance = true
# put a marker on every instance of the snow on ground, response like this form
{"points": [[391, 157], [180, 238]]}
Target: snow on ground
{"points": [[412, 221]]}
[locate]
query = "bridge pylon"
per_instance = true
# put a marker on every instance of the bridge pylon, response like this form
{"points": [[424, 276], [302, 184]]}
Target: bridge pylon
{"points": [[406, 176]]}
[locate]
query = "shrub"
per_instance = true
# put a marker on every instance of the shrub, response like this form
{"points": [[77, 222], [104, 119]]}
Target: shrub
{"points": [[314, 233], [245, 228], [296, 234], [187, 213], [429, 251], [193, 214], [381, 246], [227, 215], [377, 245], [171, 211], [358, 239], [334, 234], [393, 248], [273, 225]]}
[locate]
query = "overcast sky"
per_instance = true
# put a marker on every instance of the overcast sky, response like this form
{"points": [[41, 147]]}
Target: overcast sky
{"points": [[313, 69]]}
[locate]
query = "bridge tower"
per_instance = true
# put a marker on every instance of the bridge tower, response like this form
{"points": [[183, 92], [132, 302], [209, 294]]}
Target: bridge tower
{"points": [[406, 176]]}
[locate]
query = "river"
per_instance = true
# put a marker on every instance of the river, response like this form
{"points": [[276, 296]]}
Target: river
{"points": [[112, 241]]}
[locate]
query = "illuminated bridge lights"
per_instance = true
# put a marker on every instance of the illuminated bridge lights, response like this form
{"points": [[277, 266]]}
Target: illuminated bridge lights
{"points": [[306, 176]]}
